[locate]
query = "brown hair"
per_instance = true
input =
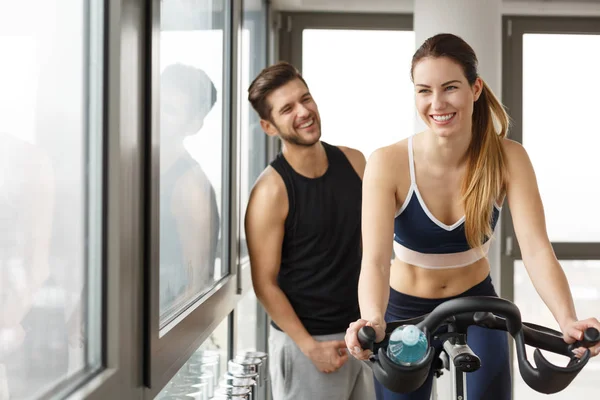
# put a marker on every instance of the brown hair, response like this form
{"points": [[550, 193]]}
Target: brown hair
{"points": [[485, 179], [270, 79]]}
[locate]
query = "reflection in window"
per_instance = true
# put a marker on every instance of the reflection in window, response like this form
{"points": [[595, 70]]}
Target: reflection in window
{"points": [[202, 374], [50, 195], [191, 143], [584, 279], [253, 139]]}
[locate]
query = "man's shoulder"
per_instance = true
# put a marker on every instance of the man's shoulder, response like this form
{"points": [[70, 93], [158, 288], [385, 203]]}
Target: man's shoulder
{"points": [[355, 157], [267, 203], [269, 189], [351, 153]]}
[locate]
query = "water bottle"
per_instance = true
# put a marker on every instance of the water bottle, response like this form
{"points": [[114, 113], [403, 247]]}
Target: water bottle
{"points": [[407, 345]]}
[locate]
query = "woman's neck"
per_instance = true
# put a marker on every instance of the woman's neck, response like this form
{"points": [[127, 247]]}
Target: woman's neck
{"points": [[447, 152]]}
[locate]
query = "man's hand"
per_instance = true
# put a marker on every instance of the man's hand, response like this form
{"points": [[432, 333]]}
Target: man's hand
{"points": [[327, 356]]}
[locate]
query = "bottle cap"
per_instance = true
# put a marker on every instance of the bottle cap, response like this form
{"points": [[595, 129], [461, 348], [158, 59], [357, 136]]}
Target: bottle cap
{"points": [[410, 335]]}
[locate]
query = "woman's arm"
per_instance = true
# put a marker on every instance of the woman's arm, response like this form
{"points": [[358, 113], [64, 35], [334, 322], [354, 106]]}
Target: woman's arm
{"points": [[378, 209], [543, 268]]}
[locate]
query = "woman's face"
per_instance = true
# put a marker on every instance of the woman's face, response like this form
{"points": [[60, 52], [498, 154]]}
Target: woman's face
{"points": [[444, 98]]}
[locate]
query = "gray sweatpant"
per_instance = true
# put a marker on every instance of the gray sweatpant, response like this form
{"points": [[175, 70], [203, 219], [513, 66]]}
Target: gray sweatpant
{"points": [[295, 377]]}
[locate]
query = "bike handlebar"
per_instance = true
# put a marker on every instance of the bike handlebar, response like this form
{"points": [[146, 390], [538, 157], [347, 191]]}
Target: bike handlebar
{"points": [[492, 313]]}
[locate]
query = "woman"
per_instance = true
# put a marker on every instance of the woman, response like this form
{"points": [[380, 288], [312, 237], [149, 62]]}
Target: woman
{"points": [[439, 194]]}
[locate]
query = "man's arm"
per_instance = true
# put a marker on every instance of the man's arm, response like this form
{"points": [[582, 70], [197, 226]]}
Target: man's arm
{"points": [[264, 224]]}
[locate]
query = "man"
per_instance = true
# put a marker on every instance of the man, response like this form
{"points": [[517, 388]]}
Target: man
{"points": [[304, 239]]}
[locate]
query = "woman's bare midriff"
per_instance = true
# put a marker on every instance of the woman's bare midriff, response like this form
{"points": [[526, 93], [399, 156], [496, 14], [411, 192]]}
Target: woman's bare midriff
{"points": [[436, 283]]}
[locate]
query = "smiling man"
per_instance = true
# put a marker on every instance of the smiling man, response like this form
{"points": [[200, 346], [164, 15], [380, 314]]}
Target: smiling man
{"points": [[303, 228]]}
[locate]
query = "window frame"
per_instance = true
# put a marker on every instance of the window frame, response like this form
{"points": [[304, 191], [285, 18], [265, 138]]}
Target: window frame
{"points": [[136, 364], [254, 69], [121, 196], [513, 29], [96, 21], [290, 36], [291, 24], [165, 353], [269, 144]]}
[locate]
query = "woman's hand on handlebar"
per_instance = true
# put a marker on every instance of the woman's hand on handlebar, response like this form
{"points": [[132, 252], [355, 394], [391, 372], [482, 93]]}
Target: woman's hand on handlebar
{"points": [[352, 337], [573, 331]]}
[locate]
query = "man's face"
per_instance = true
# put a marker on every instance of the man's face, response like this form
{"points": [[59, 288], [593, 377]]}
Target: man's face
{"points": [[294, 115]]}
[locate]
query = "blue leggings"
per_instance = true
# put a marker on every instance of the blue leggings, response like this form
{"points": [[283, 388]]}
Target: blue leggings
{"points": [[491, 382]]}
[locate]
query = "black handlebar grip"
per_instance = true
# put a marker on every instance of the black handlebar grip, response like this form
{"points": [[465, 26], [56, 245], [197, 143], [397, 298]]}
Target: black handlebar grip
{"points": [[366, 337], [591, 337]]}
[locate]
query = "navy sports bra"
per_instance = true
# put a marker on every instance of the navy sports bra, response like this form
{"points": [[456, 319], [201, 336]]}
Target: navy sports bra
{"points": [[422, 240]]}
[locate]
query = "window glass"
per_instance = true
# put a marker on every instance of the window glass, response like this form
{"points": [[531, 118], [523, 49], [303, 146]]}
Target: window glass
{"points": [[202, 374], [50, 195], [253, 139], [563, 148], [246, 313], [360, 80], [192, 135], [584, 279]]}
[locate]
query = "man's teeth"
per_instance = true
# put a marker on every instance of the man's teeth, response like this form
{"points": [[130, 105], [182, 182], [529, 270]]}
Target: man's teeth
{"points": [[307, 124], [443, 118]]}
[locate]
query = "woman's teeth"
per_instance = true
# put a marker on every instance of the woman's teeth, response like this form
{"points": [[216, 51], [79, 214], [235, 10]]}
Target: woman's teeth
{"points": [[443, 118]]}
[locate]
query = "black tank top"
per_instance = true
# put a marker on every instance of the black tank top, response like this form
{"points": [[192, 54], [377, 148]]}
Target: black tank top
{"points": [[321, 253]]}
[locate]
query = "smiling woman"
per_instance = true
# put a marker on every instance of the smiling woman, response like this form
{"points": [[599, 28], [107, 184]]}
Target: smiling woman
{"points": [[439, 103], [438, 194]]}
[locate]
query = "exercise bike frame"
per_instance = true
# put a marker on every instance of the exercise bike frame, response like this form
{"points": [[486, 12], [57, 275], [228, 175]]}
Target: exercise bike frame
{"points": [[488, 312]]}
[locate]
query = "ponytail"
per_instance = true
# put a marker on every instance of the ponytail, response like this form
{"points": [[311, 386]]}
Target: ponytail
{"points": [[485, 179]]}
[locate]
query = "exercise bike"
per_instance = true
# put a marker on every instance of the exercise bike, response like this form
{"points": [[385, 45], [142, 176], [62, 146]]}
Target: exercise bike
{"points": [[448, 323]]}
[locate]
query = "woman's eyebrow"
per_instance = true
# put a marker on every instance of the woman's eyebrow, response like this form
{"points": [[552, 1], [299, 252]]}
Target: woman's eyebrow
{"points": [[443, 84]]}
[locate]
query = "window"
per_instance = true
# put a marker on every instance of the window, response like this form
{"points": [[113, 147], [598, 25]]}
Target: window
{"points": [[253, 139], [201, 374], [246, 314], [346, 69], [547, 57], [190, 285], [584, 279], [192, 177], [50, 196], [527, 68]]}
